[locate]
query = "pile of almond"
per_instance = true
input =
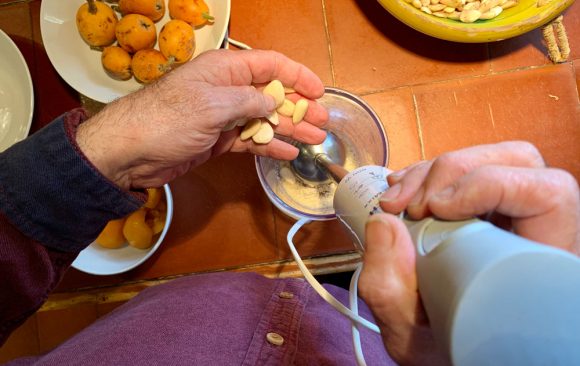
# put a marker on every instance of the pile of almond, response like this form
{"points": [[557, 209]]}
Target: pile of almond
{"points": [[260, 129], [466, 11]]}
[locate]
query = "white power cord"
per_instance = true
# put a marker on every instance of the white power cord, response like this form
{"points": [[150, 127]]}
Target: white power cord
{"points": [[239, 44], [353, 302], [353, 299]]}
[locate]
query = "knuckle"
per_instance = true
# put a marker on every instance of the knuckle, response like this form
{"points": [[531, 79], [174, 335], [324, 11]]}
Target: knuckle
{"points": [[565, 183], [529, 151], [452, 161]]}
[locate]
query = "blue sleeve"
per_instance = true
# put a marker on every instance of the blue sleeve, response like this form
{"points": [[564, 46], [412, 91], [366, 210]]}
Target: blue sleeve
{"points": [[53, 194]]}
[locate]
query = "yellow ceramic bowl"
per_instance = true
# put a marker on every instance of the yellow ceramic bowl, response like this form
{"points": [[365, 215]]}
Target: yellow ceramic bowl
{"points": [[512, 22]]}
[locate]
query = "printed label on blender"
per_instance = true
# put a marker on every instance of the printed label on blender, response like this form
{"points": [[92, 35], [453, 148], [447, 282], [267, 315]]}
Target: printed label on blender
{"points": [[367, 184]]}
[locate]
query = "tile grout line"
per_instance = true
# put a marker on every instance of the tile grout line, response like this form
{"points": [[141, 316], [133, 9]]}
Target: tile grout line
{"points": [[327, 33], [419, 130], [461, 78]]}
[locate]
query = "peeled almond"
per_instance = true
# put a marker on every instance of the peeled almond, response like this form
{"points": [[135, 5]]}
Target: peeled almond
{"points": [[469, 16], [492, 13], [287, 108], [250, 129], [264, 135], [273, 118], [300, 111], [276, 90]]}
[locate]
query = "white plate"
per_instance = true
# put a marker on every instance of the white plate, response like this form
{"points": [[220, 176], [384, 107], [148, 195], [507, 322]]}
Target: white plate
{"points": [[81, 67], [16, 94], [97, 260]]}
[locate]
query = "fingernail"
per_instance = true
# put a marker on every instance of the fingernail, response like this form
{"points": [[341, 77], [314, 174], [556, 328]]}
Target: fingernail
{"points": [[417, 198], [378, 235], [398, 174], [445, 194], [392, 193], [379, 218]]}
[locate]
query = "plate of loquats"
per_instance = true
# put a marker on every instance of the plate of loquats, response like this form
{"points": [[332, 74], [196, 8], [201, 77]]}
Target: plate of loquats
{"points": [[108, 49]]}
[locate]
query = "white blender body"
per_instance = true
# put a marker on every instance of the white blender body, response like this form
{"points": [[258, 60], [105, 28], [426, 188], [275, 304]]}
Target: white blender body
{"points": [[492, 297]]}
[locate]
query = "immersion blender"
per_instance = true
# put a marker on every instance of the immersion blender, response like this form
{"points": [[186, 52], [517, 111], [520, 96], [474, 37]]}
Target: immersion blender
{"points": [[492, 297]]}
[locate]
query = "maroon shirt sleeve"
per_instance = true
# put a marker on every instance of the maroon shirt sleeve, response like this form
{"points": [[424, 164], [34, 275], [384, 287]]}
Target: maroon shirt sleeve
{"points": [[53, 203]]}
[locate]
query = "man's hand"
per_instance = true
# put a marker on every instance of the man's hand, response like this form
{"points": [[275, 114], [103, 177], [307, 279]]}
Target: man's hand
{"points": [[160, 132], [507, 180]]}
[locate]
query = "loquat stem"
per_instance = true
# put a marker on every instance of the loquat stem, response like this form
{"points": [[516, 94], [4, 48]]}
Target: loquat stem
{"points": [[92, 7]]}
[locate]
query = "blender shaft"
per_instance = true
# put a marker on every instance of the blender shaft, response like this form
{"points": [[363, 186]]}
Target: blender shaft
{"points": [[336, 171]]}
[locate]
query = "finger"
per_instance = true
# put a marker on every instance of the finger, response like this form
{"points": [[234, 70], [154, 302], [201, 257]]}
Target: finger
{"points": [[544, 203], [228, 103], [303, 132], [316, 113], [396, 177], [388, 282], [451, 166], [388, 249], [269, 65], [275, 149], [397, 197]]}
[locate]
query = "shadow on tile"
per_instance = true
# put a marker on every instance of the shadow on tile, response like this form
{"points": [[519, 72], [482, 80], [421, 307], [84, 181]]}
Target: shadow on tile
{"points": [[417, 42]]}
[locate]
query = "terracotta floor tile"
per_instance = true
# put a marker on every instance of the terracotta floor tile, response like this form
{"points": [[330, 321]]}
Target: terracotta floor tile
{"points": [[540, 106], [295, 28], [530, 49], [53, 96], [373, 51], [397, 112], [222, 218], [22, 342], [522, 51], [56, 326]]}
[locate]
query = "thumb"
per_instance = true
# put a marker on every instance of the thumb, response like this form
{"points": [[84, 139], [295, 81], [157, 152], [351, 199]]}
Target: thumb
{"points": [[388, 248], [388, 281], [388, 284], [237, 102]]}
